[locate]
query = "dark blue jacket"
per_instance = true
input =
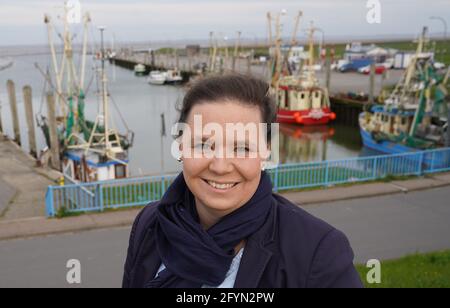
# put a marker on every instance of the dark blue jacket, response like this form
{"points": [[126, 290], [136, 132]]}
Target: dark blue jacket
{"points": [[293, 249]]}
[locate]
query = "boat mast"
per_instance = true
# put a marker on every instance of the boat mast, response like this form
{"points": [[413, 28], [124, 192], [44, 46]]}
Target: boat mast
{"points": [[294, 34], [87, 20], [104, 94], [60, 104], [277, 65], [310, 79], [412, 68], [404, 86]]}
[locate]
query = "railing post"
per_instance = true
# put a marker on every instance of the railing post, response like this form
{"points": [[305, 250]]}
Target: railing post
{"points": [[375, 166], [100, 196], [327, 172], [49, 202], [163, 186], [420, 167], [446, 158], [433, 157], [275, 185]]}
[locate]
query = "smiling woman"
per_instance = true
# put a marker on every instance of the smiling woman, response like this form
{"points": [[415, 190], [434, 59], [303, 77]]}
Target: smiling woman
{"points": [[219, 224]]}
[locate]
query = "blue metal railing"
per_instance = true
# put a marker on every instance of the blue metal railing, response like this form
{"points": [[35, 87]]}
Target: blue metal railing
{"points": [[133, 192]]}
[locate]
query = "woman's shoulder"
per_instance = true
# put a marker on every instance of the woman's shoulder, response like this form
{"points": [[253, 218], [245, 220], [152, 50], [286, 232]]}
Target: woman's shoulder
{"points": [[301, 233], [143, 221], [146, 215], [313, 247]]}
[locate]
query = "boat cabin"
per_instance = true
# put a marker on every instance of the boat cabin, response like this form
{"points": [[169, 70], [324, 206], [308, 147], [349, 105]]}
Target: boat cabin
{"points": [[291, 98], [92, 168]]}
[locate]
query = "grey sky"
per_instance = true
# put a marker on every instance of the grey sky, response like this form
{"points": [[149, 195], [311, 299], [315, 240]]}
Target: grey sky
{"points": [[21, 21]]}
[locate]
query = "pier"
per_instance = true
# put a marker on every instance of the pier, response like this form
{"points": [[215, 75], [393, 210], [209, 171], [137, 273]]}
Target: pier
{"points": [[22, 183]]}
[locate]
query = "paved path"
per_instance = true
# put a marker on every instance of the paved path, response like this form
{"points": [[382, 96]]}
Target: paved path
{"points": [[22, 185], [378, 227], [394, 225]]}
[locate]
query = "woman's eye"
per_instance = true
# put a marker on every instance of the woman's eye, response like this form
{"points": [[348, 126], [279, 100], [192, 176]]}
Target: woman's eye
{"points": [[242, 149], [202, 146]]}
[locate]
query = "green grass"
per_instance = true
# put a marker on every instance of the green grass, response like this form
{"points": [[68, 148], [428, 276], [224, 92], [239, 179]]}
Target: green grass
{"points": [[431, 270], [165, 51]]}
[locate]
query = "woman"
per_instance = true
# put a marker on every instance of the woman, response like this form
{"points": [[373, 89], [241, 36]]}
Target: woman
{"points": [[219, 224]]}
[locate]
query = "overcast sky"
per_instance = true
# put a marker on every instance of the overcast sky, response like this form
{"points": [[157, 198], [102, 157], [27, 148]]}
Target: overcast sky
{"points": [[21, 21]]}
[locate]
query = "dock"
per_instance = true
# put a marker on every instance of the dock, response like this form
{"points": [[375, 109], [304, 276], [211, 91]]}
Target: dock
{"points": [[22, 184]]}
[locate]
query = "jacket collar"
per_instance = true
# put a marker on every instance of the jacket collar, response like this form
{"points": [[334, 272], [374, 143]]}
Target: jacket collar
{"points": [[257, 253], [253, 263]]}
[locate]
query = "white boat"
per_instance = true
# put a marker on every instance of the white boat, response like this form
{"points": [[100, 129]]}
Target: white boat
{"points": [[157, 78], [173, 77], [140, 69], [167, 77]]}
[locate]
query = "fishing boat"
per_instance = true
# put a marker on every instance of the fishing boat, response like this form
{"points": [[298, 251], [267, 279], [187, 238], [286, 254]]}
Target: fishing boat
{"points": [[414, 117], [300, 98], [169, 77], [90, 150], [140, 69]]}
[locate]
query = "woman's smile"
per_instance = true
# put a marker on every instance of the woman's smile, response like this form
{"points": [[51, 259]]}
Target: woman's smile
{"points": [[220, 187]]}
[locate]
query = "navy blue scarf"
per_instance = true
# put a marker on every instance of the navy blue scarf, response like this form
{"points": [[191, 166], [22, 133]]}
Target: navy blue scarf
{"points": [[193, 256]]}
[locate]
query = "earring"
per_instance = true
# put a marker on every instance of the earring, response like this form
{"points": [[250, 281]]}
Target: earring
{"points": [[180, 160]]}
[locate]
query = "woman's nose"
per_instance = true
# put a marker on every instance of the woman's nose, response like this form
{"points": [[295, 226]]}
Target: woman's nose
{"points": [[220, 165]]}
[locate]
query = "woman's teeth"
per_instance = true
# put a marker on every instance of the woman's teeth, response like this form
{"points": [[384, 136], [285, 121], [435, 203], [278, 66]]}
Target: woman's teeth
{"points": [[221, 186]]}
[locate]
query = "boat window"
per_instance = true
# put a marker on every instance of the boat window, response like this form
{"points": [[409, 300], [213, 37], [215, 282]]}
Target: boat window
{"points": [[288, 100], [120, 171]]}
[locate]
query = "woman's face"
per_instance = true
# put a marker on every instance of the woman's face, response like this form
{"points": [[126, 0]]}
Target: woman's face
{"points": [[223, 184]]}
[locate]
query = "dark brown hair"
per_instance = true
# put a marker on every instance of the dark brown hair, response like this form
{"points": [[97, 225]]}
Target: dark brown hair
{"points": [[244, 89]]}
